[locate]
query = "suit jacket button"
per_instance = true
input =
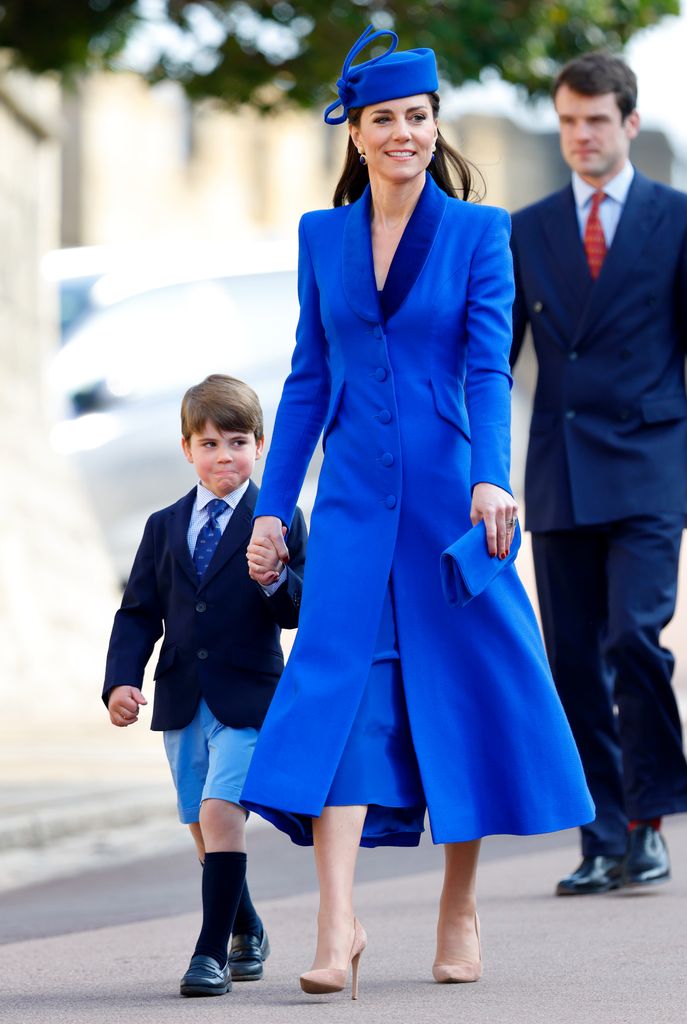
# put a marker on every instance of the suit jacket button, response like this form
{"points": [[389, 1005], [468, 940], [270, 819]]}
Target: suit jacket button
{"points": [[570, 414], [387, 459], [201, 606], [202, 654], [385, 416], [380, 373], [390, 501], [572, 356], [537, 306]]}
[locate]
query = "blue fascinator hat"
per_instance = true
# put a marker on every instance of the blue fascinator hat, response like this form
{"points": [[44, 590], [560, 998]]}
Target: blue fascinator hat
{"points": [[385, 77]]}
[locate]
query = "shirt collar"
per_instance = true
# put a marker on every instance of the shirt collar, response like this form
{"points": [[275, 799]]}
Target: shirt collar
{"points": [[617, 188], [204, 496]]}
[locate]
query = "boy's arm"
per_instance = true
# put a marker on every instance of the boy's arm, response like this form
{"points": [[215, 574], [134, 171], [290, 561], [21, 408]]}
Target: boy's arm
{"points": [[138, 623], [285, 603]]}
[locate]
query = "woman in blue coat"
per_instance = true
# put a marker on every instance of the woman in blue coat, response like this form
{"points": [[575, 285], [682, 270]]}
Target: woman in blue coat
{"points": [[395, 699]]}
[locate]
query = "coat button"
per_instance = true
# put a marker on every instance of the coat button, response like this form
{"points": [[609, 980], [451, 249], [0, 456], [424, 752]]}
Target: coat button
{"points": [[390, 501], [378, 332], [537, 306], [384, 416], [572, 356], [201, 606], [380, 373], [570, 414], [202, 654], [387, 459]]}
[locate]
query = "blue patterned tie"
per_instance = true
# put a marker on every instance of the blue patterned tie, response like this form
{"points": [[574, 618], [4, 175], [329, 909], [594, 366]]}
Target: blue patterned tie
{"points": [[209, 536]]}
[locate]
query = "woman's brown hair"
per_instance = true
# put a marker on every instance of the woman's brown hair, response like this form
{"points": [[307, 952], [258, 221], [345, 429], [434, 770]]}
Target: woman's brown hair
{"points": [[447, 162]]}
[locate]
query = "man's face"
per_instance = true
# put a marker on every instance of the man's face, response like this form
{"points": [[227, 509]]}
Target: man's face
{"points": [[595, 141]]}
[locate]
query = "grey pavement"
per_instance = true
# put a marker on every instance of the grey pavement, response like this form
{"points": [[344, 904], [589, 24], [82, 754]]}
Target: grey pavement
{"points": [[615, 959]]}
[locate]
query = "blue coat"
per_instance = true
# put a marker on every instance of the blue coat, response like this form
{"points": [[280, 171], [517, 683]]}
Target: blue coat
{"points": [[608, 437], [221, 634], [415, 410]]}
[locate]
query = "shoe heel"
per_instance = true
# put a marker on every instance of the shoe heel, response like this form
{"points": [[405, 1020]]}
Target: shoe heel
{"points": [[355, 966]]}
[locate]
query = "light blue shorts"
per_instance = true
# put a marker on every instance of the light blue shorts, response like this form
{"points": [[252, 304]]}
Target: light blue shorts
{"points": [[208, 761]]}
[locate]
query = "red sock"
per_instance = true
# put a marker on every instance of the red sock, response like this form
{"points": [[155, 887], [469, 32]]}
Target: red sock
{"points": [[636, 822]]}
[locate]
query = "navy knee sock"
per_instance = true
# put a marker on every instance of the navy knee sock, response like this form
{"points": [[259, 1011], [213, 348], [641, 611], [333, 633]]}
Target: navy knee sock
{"points": [[224, 876], [247, 920]]}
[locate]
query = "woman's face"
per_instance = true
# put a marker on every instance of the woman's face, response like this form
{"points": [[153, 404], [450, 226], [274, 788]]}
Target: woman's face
{"points": [[397, 137]]}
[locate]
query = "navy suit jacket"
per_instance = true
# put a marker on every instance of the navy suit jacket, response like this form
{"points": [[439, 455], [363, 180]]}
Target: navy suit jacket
{"points": [[221, 635], [608, 437]]}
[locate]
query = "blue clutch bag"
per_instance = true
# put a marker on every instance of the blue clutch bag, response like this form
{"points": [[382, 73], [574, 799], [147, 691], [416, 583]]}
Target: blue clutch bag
{"points": [[467, 568]]}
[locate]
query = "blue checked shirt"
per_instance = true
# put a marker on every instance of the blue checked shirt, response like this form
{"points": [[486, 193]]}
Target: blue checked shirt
{"points": [[199, 518]]}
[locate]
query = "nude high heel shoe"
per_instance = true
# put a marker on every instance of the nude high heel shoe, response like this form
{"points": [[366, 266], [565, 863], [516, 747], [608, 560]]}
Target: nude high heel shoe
{"points": [[464, 971], [333, 979]]}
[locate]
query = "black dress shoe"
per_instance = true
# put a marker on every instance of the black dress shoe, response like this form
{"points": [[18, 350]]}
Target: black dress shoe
{"points": [[647, 861], [247, 955], [205, 977], [594, 875]]}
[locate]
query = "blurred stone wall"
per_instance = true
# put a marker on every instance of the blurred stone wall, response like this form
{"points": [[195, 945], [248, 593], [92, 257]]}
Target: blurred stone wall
{"points": [[56, 590]]}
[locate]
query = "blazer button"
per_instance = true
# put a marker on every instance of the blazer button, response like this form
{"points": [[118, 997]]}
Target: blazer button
{"points": [[384, 416], [537, 306], [202, 654], [380, 373], [572, 356], [570, 414], [201, 606], [390, 501], [387, 459]]}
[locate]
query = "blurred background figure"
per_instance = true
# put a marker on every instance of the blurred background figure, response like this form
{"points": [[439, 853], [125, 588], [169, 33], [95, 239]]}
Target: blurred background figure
{"points": [[601, 277], [145, 199]]}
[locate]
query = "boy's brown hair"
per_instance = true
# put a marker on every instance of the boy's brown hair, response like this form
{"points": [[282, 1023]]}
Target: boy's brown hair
{"points": [[594, 74], [225, 401]]}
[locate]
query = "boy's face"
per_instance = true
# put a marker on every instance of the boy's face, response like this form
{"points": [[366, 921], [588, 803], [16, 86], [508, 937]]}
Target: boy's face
{"points": [[224, 459]]}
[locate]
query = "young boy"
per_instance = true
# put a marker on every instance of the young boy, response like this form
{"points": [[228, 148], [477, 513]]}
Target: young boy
{"points": [[220, 660]]}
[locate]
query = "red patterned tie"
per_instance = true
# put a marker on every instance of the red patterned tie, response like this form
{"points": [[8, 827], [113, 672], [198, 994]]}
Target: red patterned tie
{"points": [[594, 241]]}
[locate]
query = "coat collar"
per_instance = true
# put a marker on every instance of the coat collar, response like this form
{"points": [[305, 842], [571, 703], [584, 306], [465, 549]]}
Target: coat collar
{"points": [[636, 223], [235, 533], [359, 283]]}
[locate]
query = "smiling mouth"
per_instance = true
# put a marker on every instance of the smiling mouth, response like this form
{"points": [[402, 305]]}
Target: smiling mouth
{"points": [[400, 154]]}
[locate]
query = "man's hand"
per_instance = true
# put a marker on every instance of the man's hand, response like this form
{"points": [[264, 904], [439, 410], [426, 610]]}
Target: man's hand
{"points": [[499, 510], [123, 704]]}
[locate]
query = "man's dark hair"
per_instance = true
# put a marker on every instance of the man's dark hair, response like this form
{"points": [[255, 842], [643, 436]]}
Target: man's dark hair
{"points": [[595, 74]]}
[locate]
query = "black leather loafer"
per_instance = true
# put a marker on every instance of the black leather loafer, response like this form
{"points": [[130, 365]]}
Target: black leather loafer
{"points": [[205, 977], [594, 875], [247, 955], [647, 860]]}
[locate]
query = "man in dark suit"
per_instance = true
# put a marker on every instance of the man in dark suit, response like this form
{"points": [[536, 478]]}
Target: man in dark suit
{"points": [[601, 278]]}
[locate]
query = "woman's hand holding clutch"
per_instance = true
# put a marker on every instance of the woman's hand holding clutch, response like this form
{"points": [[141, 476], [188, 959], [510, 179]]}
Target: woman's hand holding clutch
{"points": [[499, 510]]}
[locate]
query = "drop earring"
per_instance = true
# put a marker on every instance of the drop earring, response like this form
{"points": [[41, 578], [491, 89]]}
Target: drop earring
{"points": [[363, 158]]}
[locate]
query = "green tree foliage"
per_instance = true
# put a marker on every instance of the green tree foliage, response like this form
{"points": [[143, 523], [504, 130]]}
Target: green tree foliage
{"points": [[269, 53]]}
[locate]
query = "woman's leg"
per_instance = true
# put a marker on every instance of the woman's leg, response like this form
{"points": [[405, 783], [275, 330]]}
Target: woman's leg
{"points": [[197, 835], [457, 941], [336, 837]]}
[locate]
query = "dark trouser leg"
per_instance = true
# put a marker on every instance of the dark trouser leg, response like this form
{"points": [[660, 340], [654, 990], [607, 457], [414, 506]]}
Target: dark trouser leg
{"points": [[224, 875], [570, 569], [642, 575]]}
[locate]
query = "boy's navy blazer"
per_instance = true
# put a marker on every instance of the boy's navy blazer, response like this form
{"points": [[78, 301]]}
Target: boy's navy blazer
{"points": [[608, 437], [221, 635]]}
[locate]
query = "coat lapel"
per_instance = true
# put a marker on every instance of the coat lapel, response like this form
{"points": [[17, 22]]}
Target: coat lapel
{"points": [[178, 534], [636, 223], [236, 533], [357, 270], [414, 247], [569, 263]]}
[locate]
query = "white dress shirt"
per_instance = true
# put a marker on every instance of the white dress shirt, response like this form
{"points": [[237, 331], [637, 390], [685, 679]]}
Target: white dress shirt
{"points": [[199, 517], [610, 210]]}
